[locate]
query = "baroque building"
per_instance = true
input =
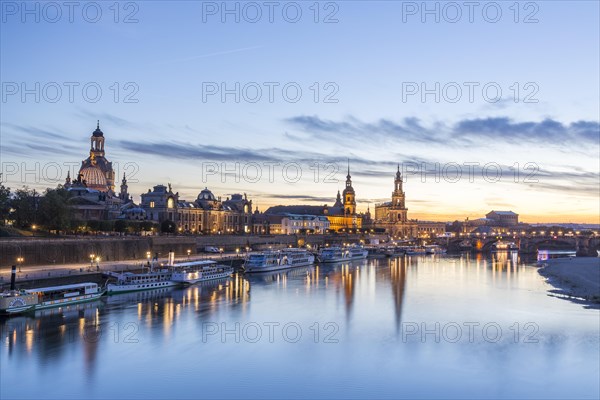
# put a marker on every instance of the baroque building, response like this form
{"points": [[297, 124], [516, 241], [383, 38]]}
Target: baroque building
{"points": [[96, 171], [92, 191], [343, 213], [393, 215], [207, 214], [342, 216]]}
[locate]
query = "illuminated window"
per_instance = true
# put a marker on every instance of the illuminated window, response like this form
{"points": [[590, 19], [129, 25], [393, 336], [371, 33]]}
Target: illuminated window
{"points": [[151, 204]]}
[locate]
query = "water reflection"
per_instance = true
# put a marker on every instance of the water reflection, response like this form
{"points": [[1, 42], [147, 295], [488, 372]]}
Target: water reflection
{"points": [[50, 333], [398, 268], [107, 341]]}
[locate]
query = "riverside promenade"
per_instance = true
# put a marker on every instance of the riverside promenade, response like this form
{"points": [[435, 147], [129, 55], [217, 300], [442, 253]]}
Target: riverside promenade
{"points": [[40, 272]]}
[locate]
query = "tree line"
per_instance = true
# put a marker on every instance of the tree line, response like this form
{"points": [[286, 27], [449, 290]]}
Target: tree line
{"points": [[51, 211]]}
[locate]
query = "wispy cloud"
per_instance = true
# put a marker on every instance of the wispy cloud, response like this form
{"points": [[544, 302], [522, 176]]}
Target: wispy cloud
{"points": [[461, 133], [104, 117], [38, 133]]}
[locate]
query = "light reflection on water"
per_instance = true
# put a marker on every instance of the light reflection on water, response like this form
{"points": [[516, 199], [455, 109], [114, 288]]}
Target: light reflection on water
{"points": [[434, 326]]}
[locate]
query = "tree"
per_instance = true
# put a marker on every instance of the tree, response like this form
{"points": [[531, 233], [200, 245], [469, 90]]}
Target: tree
{"points": [[168, 227], [4, 204], [24, 207], [93, 225], [121, 225], [147, 225], [54, 211]]}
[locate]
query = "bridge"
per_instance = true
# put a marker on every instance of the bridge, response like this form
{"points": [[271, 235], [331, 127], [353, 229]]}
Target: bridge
{"points": [[584, 245]]}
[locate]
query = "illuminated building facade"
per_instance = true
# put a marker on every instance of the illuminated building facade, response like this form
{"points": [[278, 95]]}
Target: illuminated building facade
{"points": [[207, 214], [393, 215]]}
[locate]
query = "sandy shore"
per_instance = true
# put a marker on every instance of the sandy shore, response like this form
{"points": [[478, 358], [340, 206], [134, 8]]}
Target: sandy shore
{"points": [[576, 277]]}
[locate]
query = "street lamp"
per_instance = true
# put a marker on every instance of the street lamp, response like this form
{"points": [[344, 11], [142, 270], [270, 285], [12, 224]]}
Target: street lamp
{"points": [[92, 260], [237, 252], [98, 263], [188, 253], [20, 261]]}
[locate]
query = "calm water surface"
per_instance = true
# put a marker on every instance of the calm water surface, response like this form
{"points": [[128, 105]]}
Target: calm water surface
{"points": [[452, 326]]}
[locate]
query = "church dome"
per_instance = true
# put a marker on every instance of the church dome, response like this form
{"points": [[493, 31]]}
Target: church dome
{"points": [[93, 177], [98, 132], [206, 195]]}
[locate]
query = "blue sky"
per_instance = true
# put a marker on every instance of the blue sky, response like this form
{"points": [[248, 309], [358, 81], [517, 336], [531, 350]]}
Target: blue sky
{"points": [[366, 62]]}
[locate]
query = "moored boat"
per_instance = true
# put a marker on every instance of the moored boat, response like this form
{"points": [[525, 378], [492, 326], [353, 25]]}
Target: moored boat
{"points": [[395, 251], [199, 271], [17, 301], [434, 249], [415, 251], [341, 254], [57, 296], [130, 282], [465, 245], [279, 259], [504, 246]]}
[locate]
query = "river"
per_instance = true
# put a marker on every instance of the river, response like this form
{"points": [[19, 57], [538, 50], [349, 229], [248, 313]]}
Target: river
{"points": [[455, 326]]}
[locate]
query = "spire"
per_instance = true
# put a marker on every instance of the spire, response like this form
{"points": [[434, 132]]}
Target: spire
{"points": [[97, 132], [338, 200], [124, 181], [68, 180], [348, 169]]}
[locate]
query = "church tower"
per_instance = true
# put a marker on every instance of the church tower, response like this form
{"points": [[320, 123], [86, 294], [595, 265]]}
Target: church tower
{"points": [[124, 195], [338, 201], [398, 199], [398, 194], [349, 195], [97, 142]]}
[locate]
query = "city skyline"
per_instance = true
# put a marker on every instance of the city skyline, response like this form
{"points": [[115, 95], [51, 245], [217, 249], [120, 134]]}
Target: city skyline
{"points": [[204, 109], [237, 177]]}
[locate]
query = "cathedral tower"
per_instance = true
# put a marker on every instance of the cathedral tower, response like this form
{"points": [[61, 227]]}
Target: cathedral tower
{"points": [[398, 194], [349, 195]]}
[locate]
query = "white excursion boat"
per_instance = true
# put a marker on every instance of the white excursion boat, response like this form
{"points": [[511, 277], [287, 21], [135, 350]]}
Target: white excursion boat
{"points": [[394, 251], [504, 246], [199, 271], [340, 254], [130, 282], [280, 259], [415, 251], [434, 249], [17, 301], [57, 296]]}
